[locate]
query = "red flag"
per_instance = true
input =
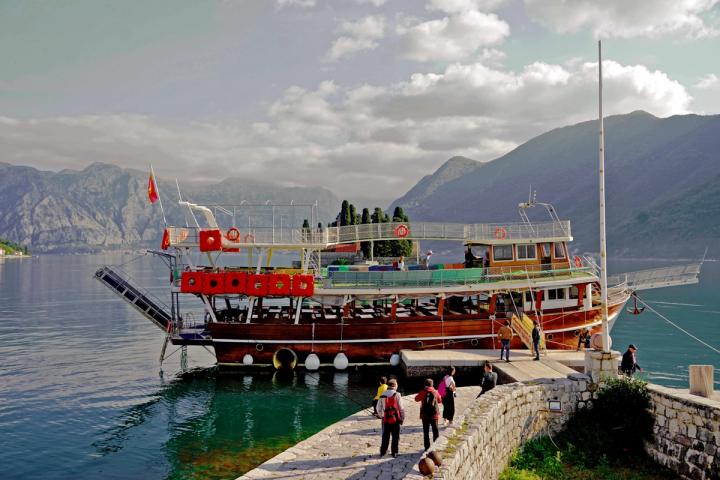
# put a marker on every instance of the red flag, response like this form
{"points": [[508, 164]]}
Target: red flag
{"points": [[152, 190]]}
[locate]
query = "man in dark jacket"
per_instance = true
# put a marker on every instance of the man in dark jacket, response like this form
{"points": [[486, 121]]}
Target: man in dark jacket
{"points": [[429, 400], [536, 340], [489, 379], [629, 364]]}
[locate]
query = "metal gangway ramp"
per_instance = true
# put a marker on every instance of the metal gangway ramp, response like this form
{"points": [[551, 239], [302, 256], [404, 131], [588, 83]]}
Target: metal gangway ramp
{"points": [[142, 300], [658, 277]]}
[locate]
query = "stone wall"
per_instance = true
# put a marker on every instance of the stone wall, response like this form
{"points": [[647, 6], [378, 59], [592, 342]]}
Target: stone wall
{"points": [[500, 421], [686, 432]]}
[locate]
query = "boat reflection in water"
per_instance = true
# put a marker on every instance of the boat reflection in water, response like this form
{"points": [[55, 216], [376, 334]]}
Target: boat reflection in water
{"points": [[220, 426]]}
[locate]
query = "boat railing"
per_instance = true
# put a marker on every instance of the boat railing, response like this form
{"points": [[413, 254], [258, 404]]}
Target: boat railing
{"points": [[658, 277], [329, 236], [454, 277]]}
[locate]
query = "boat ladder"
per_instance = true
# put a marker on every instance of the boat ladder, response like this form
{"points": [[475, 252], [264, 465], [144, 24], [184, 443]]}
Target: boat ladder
{"points": [[142, 300]]}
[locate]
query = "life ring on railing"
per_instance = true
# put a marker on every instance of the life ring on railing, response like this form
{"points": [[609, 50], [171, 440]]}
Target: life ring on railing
{"points": [[500, 233], [578, 262], [233, 234], [402, 231], [165, 240], [249, 238]]}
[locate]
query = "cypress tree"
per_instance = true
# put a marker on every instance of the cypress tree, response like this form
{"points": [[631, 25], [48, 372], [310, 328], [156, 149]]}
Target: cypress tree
{"points": [[344, 213], [364, 220]]}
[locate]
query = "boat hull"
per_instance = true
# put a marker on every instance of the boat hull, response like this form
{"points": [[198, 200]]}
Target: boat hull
{"points": [[364, 341]]}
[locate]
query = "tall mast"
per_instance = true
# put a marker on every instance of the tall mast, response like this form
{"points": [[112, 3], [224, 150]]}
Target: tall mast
{"points": [[603, 246]]}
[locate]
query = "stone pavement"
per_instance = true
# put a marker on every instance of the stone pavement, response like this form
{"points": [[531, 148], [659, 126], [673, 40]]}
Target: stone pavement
{"points": [[350, 448]]}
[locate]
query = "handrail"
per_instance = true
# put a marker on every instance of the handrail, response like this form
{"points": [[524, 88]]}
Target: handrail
{"points": [[329, 236]]}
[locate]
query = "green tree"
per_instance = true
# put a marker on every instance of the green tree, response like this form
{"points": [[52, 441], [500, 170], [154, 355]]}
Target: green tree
{"points": [[353, 216], [344, 213], [364, 220]]}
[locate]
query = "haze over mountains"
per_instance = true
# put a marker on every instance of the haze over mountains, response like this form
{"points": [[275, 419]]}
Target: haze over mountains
{"points": [[104, 206], [662, 183], [663, 192]]}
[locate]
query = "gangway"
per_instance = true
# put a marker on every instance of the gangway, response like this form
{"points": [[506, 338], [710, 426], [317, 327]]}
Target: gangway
{"points": [[142, 300], [686, 274]]}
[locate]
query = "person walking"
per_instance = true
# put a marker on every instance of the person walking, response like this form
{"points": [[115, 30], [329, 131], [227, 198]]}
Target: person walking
{"points": [[629, 364], [446, 389], [381, 389], [505, 334], [430, 401], [536, 340], [390, 410], [489, 379]]}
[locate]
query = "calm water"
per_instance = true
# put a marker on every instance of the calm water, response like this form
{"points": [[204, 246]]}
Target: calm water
{"points": [[80, 394]]}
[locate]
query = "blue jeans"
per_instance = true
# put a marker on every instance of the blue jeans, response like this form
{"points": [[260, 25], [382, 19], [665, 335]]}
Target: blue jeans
{"points": [[505, 346], [536, 347]]}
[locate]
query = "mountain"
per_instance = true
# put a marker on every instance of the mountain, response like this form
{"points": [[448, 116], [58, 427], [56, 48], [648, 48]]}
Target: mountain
{"points": [[662, 177], [104, 206]]}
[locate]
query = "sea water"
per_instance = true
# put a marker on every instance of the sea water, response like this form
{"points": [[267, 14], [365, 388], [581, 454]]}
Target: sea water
{"points": [[81, 396]]}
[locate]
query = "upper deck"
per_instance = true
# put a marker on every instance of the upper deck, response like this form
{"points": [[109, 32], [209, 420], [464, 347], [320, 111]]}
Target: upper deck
{"points": [[327, 237]]}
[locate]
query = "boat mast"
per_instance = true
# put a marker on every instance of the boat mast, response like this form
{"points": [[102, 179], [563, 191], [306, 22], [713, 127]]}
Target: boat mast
{"points": [[603, 246]]}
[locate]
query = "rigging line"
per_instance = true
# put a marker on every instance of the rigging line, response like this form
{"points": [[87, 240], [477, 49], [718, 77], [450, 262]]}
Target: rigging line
{"points": [[676, 326]]}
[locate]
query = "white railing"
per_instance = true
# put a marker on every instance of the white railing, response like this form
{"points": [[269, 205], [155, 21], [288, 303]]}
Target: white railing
{"points": [[658, 277], [488, 232]]}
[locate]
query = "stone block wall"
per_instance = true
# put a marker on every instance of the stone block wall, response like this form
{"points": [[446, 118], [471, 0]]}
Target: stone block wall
{"points": [[686, 433], [502, 420]]}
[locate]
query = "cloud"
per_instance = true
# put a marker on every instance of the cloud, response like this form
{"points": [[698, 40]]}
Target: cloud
{"points": [[453, 37], [295, 3], [364, 141], [708, 81], [360, 35], [375, 3], [625, 19], [459, 6]]}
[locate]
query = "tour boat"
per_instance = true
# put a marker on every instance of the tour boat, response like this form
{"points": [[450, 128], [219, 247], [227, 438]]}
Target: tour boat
{"points": [[304, 313]]}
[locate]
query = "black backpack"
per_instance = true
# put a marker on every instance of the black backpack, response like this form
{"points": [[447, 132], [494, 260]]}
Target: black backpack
{"points": [[429, 407]]}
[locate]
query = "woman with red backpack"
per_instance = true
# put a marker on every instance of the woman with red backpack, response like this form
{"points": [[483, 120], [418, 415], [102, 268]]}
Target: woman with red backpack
{"points": [[390, 409], [430, 401]]}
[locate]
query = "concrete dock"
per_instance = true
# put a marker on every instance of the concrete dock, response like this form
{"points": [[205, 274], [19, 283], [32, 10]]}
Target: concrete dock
{"points": [[350, 447], [522, 368]]}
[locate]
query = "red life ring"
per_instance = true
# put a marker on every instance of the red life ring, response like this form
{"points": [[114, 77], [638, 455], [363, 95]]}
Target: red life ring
{"points": [[578, 262], [233, 234], [402, 231], [500, 233]]}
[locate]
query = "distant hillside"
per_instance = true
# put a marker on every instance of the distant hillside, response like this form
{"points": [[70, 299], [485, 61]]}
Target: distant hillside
{"points": [[662, 177], [104, 206]]}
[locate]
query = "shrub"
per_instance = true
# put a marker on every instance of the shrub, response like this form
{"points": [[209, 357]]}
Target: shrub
{"points": [[616, 426]]}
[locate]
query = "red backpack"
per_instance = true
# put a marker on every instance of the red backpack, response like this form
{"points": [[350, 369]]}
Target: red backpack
{"points": [[391, 415]]}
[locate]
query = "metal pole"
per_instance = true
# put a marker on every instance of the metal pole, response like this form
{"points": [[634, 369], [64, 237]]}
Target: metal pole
{"points": [[603, 246]]}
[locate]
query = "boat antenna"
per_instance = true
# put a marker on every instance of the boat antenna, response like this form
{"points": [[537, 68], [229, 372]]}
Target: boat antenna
{"points": [[603, 243]]}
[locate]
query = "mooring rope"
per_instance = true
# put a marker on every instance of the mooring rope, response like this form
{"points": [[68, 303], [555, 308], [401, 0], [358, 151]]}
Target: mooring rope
{"points": [[675, 325]]}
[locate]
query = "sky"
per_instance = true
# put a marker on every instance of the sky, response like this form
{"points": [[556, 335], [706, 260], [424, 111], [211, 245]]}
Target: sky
{"points": [[363, 97]]}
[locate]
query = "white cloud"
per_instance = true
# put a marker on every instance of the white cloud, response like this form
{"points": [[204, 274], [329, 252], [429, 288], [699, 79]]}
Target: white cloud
{"points": [[360, 35], [459, 6], [708, 81], [625, 19], [375, 3], [451, 38], [359, 142], [296, 3]]}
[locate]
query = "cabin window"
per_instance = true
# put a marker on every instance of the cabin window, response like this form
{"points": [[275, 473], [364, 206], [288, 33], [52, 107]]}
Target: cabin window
{"points": [[526, 252], [556, 294], [502, 252], [545, 249], [559, 250], [528, 297]]}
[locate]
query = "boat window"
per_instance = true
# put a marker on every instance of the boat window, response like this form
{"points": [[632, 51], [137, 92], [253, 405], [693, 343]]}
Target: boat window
{"points": [[528, 297], [574, 292], [546, 249], [559, 250], [526, 252], [502, 252], [552, 294], [561, 294]]}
